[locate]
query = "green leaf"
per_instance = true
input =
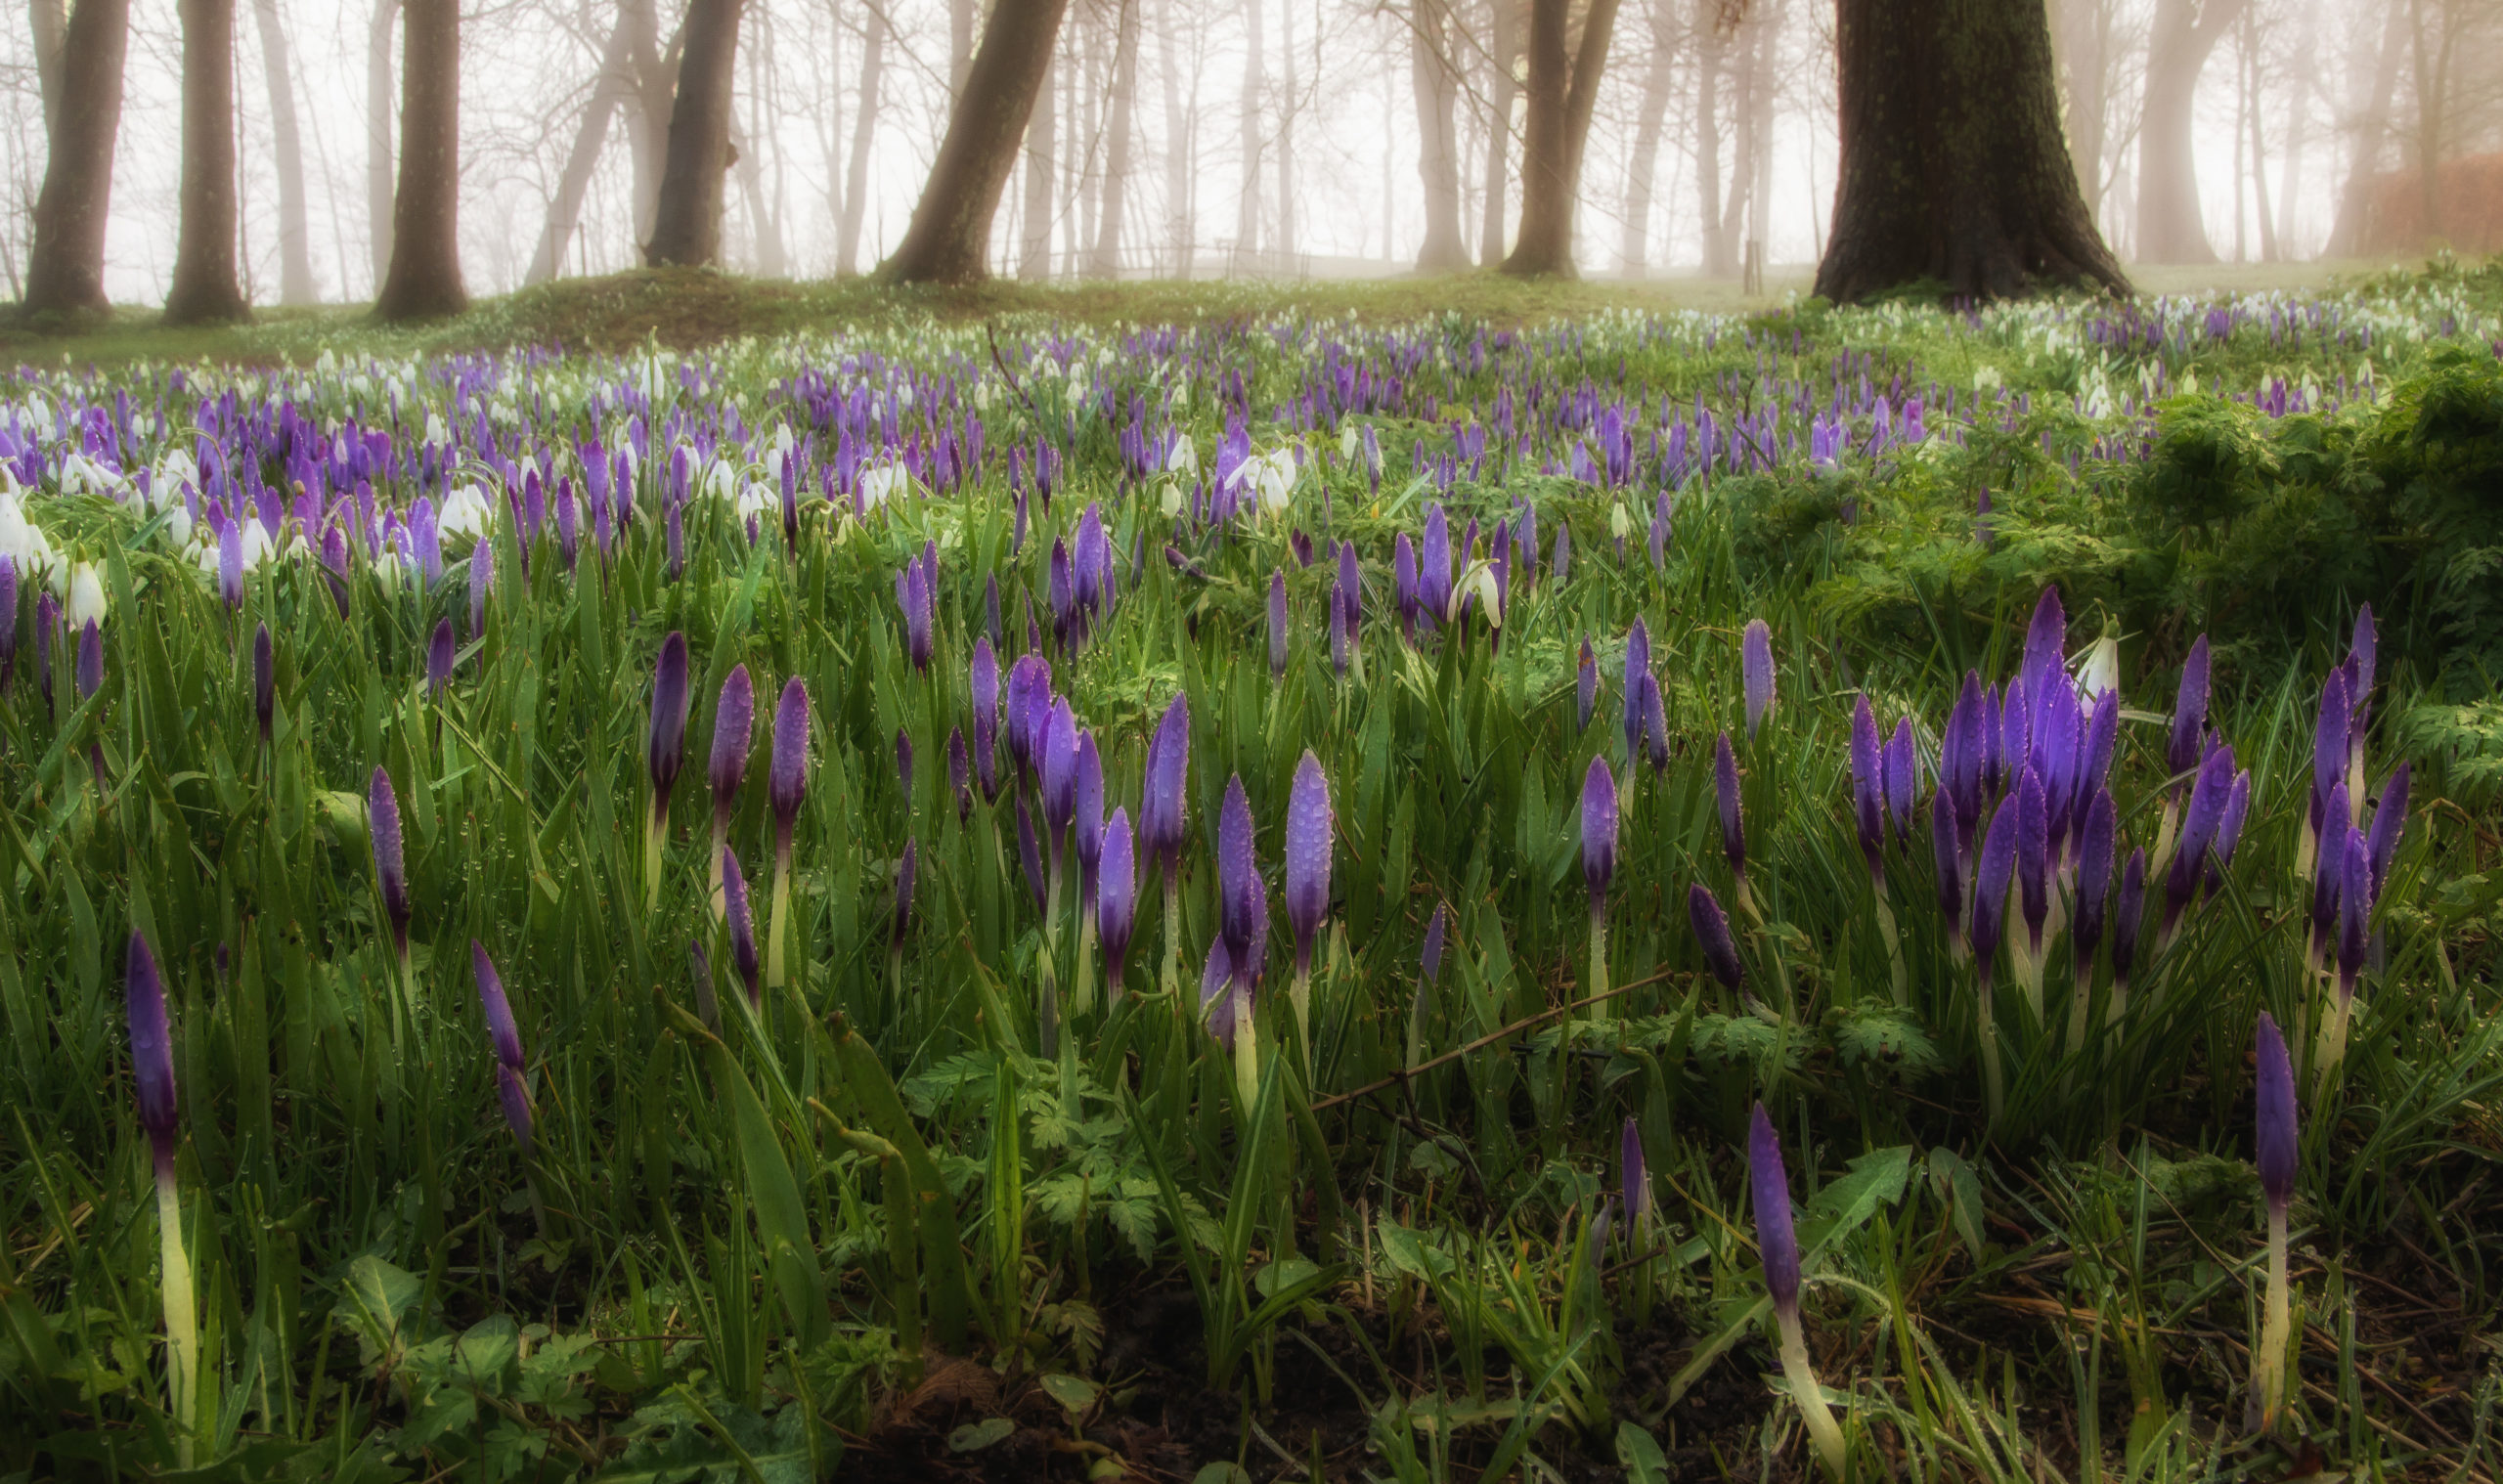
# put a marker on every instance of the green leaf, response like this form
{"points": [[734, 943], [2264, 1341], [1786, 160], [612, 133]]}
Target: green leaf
{"points": [[780, 1219]]}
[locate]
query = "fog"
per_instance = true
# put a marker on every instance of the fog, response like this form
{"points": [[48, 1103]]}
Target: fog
{"points": [[2300, 106]]}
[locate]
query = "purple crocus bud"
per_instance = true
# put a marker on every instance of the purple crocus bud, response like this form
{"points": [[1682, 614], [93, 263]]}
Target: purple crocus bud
{"points": [[1350, 592], [1161, 795], [2015, 730], [2198, 828], [1278, 622], [2362, 654], [1307, 858], [1634, 1179], [733, 719], [2033, 856], [1026, 856], [511, 1086], [986, 705], [1755, 660], [1656, 723], [439, 656], [1216, 1006], [91, 660], [1997, 865], [673, 535], [2128, 911], [1586, 686], [912, 594], [264, 681], [1560, 563], [1599, 832], [2273, 1130], [2045, 646], [1029, 699], [666, 747], [1867, 789], [1712, 934], [1433, 566], [960, 774], [2096, 845], [1948, 862], [482, 580], [903, 765], [2229, 831], [905, 869], [1903, 776], [2389, 822], [1638, 665], [1961, 753], [1089, 798], [742, 925], [2355, 910], [2329, 749], [152, 1053], [1059, 772], [1776, 1241], [390, 872], [788, 782], [1242, 900], [229, 565], [1430, 962], [1115, 898], [1725, 788], [1403, 584]]}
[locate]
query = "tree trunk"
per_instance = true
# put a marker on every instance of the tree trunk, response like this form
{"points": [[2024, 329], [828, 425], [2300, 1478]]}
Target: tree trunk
{"points": [[2372, 124], [747, 150], [2081, 44], [1645, 162], [1720, 254], [66, 272], [1563, 87], [591, 136], [1117, 167], [1070, 165], [1035, 261], [425, 281], [295, 282], [950, 239], [1742, 142], [960, 42], [2259, 160], [50, 22], [648, 114], [379, 152], [1178, 151], [205, 290], [864, 123], [1431, 70], [1766, 16], [1503, 52], [1952, 168], [1247, 202], [2178, 42], [1287, 105], [2297, 106], [688, 231]]}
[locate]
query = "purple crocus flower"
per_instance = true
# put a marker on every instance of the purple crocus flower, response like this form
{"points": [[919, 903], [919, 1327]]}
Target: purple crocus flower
{"points": [[1776, 1240], [1586, 686], [903, 765], [1633, 1178], [91, 660], [439, 657], [735, 907], [1430, 961], [229, 566], [1242, 900], [1755, 658], [1059, 769], [2046, 649], [1278, 622], [1403, 584], [787, 781], [1903, 778], [1868, 788], [2189, 711], [512, 1088], [2229, 831], [390, 873], [1116, 899], [1349, 594], [2198, 828], [1947, 862], [1030, 698], [482, 580], [2329, 751], [912, 595], [1089, 798], [986, 705], [1162, 793], [1560, 562], [2032, 859], [1598, 833], [2389, 822], [1220, 1007], [264, 681], [664, 750], [960, 774], [2275, 1139], [1309, 831], [1712, 934], [152, 1055], [1733, 824], [1638, 667], [733, 721], [1998, 863], [1434, 568], [47, 621], [2354, 910]]}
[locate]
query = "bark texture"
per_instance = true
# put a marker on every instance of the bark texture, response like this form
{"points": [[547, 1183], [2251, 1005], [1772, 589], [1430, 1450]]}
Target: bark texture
{"points": [[66, 272], [1431, 74], [205, 288], [950, 239], [2178, 42], [295, 282], [50, 22], [425, 281], [686, 229], [1953, 166], [1563, 87]]}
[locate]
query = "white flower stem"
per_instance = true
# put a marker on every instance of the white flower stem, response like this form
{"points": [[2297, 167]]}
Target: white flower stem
{"points": [[1806, 1395], [181, 1321]]}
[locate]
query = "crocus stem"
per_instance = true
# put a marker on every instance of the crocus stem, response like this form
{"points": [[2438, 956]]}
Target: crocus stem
{"points": [[1806, 1395], [774, 948], [894, 981], [1300, 992], [1172, 934], [2268, 1362], [1051, 921], [713, 865], [182, 1323], [1083, 985], [2333, 1042], [653, 840], [1894, 948], [1598, 959], [1246, 1066], [1745, 897], [1991, 1083]]}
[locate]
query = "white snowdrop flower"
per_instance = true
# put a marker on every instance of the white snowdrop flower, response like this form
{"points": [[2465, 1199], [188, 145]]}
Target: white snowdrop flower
{"points": [[882, 482], [178, 526], [2101, 670], [1347, 440], [1182, 458], [465, 512], [86, 600]]}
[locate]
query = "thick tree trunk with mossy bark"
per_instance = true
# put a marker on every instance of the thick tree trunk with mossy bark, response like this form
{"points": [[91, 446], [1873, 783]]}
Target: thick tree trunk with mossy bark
{"points": [[425, 281], [65, 274], [950, 239], [687, 230], [205, 288], [1954, 169], [1563, 87]]}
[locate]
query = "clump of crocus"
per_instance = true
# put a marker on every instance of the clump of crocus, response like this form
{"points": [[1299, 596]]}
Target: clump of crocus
{"points": [[1161, 827], [1599, 866], [1777, 1244], [2208, 798], [1755, 664], [2273, 1140], [664, 753], [742, 925], [1309, 831], [151, 1065], [786, 788], [733, 721], [1116, 899], [391, 872]]}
